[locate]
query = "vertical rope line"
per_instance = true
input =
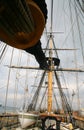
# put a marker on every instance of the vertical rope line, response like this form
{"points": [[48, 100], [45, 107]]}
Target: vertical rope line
{"points": [[26, 89], [57, 105], [38, 90], [8, 80], [16, 80], [79, 30], [44, 94], [65, 103], [51, 14], [55, 48], [71, 19], [82, 52], [64, 17]]}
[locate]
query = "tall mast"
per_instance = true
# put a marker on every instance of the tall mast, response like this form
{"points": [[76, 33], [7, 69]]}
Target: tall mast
{"points": [[50, 75]]}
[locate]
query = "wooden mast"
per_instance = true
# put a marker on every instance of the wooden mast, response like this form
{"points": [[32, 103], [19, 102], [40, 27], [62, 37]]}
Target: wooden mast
{"points": [[50, 60], [50, 75]]}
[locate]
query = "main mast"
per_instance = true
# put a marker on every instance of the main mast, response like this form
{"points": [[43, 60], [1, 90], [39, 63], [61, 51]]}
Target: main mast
{"points": [[50, 76], [50, 73]]}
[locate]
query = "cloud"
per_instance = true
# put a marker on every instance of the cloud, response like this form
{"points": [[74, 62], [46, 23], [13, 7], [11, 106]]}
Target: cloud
{"points": [[69, 59]]}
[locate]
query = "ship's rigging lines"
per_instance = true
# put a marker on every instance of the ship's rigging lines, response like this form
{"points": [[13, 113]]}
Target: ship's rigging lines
{"points": [[36, 95], [55, 69], [81, 4], [34, 102], [3, 49], [65, 104]]}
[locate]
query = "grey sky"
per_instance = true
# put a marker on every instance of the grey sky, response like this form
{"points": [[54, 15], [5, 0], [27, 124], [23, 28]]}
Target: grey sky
{"points": [[72, 36]]}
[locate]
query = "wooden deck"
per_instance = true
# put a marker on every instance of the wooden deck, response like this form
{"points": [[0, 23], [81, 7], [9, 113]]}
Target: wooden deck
{"points": [[9, 121], [78, 122]]}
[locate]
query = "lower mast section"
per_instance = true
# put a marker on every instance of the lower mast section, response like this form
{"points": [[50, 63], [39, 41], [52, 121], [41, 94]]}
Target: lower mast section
{"points": [[49, 91]]}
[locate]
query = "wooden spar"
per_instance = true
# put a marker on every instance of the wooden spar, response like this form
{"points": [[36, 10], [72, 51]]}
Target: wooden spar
{"points": [[57, 69], [50, 80], [62, 49]]}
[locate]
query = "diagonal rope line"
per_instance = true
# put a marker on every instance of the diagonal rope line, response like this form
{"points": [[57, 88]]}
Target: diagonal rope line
{"points": [[51, 14]]}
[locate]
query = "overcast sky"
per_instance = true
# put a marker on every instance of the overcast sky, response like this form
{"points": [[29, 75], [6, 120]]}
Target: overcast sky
{"points": [[68, 23]]}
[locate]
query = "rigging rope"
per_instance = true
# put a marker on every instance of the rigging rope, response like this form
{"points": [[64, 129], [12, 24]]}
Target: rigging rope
{"points": [[16, 80], [82, 14], [8, 81], [74, 51], [72, 25], [33, 103], [43, 98], [65, 104], [2, 51], [82, 8], [81, 21], [58, 108], [51, 37], [81, 50], [25, 103], [51, 15], [78, 24]]}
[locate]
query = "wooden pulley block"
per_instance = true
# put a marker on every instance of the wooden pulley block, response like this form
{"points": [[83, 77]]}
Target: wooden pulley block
{"points": [[23, 40]]}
